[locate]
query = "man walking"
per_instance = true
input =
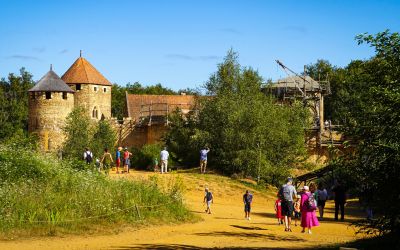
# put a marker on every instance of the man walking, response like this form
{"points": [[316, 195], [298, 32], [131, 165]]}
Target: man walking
{"points": [[287, 192], [247, 200], [340, 200], [203, 159], [164, 160]]}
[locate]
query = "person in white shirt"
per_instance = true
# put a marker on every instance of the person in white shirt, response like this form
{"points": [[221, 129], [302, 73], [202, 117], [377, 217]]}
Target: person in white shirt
{"points": [[164, 160], [88, 156]]}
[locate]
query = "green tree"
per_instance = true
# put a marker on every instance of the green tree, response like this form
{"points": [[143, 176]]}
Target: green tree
{"points": [[78, 131], [14, 103], [104, 137], [372, 120], [246, 130]]}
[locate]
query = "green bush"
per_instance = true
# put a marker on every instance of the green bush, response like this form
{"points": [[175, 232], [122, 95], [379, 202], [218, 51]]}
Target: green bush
{"points": [[39, 192], [143, 158]]}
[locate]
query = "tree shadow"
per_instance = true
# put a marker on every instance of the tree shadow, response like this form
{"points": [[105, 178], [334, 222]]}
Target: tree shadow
{"points": [[248, 228], [264, 214], [251, 235], [188, 247]]}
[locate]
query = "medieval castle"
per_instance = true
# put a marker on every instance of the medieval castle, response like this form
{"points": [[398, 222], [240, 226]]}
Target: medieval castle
{"points": [[53, 98]]}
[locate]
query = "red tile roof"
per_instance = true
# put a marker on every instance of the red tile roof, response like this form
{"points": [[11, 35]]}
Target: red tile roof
{"points": [[82, 71]]}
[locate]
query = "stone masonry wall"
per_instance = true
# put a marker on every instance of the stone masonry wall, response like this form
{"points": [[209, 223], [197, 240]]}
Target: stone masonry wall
{"points": [[47, 118], [92, 96]]}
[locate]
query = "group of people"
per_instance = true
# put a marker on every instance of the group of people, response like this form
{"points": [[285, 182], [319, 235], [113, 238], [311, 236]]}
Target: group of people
{"points": [[305, 203], [122, 159]]}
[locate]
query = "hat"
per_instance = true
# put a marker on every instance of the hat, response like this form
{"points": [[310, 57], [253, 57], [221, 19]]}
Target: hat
{"points": [[125, 148], [305, 188], [289, 179]]}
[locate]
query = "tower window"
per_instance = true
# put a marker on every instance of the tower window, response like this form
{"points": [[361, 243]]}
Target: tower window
{"points": [[104, 90], [95, 89], [95, 113], [65, 95], [33, 95], [48, 95], [78, 87]]}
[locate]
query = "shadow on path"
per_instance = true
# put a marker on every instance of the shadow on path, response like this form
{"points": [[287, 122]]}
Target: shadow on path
{"points": [[250, 235], [183, 247], [248, 228]]}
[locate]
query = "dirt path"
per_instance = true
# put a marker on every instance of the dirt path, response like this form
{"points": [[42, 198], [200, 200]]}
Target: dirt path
{"points": [[225, 228]]}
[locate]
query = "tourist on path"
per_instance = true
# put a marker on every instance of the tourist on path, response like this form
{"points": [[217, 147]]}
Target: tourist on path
{"points": [[297, 210], [106, 160], [308, 207], [164, 160], [322, 197], [88, 156], [118, 158], [127, 161], [208, 198], [203, 159], [247, 200], [340, 200], [287, 192], [278, 210]]}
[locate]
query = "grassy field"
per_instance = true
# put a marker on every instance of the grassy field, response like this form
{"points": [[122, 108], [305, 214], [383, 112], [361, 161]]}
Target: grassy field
{"points": [[40, 195]]}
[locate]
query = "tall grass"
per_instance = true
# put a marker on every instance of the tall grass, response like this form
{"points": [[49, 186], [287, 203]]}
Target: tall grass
{"points": [[41, 195]]}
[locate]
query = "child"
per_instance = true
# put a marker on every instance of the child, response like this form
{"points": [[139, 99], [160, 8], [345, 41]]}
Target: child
{"points": [[297, 214], [208, 197], [278, 210], [98, 165]]}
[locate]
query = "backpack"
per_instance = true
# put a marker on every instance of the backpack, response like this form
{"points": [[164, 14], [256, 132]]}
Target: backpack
{"points": [[310, 203], [88, 157], [209, 196]]}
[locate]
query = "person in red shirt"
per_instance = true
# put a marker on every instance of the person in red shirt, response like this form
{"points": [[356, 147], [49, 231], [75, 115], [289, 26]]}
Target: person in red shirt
{"points": [[127, 161], [278, 210]]}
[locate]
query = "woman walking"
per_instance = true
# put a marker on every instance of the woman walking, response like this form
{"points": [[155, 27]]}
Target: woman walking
{"points": [[308, 207]]}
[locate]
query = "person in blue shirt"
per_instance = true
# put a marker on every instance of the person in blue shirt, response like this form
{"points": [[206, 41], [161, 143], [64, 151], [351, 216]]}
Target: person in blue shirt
{"points": [[203, 160], [247, 200]]}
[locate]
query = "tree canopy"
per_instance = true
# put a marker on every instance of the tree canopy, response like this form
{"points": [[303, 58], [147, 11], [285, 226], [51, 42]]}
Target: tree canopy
{"points": [[246, 130]]}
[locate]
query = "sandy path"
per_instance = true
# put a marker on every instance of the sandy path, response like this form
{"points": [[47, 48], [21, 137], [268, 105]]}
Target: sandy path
{"points": [[225, 228]]}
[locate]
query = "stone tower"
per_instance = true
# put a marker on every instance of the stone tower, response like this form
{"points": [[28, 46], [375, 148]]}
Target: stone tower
{"points": [[92, 89], [50, 102]]}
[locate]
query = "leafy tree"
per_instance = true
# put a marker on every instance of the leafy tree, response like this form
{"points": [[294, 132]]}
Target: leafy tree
{"points": [[372, 114], [14, 103], [78, 131], [246, 130], [118, 101], [104, 137]]}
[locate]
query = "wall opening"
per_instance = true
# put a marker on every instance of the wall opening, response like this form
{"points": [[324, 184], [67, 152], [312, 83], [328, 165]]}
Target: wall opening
{"points": [[78, 87], [95, 113], [65, 95], [104, 90], [48, 95]]}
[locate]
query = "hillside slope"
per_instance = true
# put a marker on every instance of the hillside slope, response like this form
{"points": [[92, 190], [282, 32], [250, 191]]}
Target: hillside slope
{"points": [[224, 228]]}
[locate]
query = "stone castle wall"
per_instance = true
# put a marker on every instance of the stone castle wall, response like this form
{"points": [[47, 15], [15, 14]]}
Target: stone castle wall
{"points": [[47, 117], [94, 97]]}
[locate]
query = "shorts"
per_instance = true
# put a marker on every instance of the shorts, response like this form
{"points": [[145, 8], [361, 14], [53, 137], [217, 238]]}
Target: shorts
{"points": [[321, 203], [209, 203], [127, 162], [117, 162], [247, 207], [297, 215], [287, 208]]}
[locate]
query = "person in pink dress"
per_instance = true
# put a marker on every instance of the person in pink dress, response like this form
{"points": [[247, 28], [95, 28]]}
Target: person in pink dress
{"points": [[308, 217]]}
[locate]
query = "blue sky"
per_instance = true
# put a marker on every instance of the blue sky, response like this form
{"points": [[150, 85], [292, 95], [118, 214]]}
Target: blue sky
{"points": [[180, 43]]}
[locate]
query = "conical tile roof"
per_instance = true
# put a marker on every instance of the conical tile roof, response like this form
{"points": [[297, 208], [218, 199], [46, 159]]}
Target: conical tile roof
{"points": [[51, 82], [83, 72]]}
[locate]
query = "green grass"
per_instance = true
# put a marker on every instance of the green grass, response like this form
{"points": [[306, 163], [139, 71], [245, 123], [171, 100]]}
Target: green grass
{"points": [[40, 195]]}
